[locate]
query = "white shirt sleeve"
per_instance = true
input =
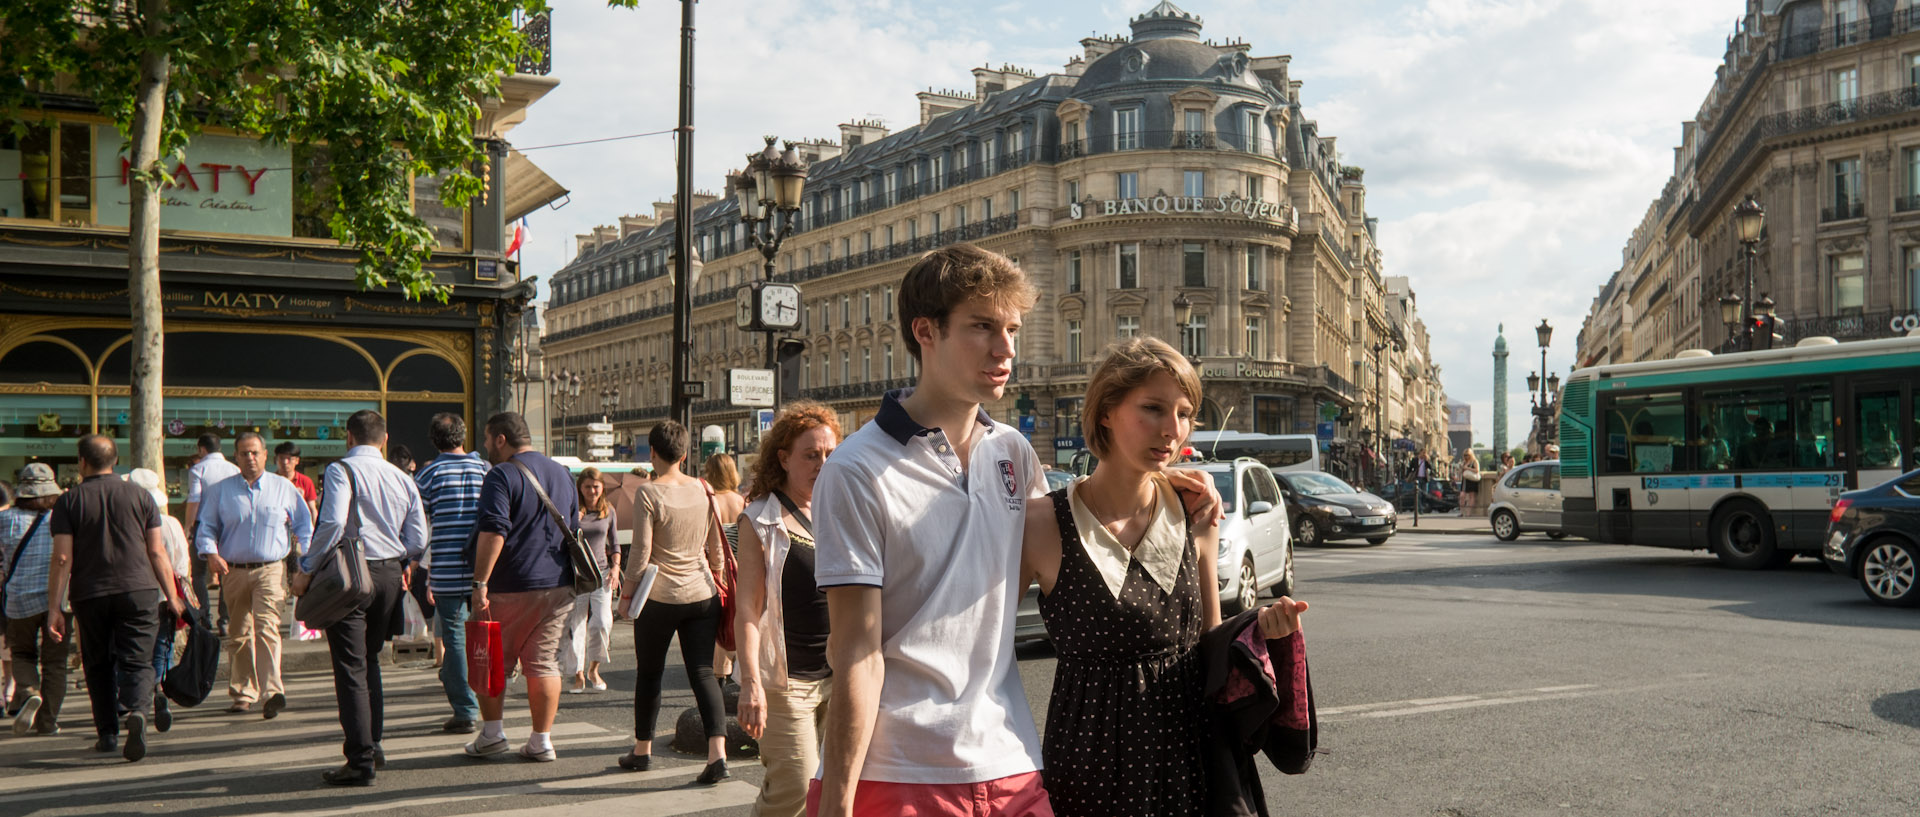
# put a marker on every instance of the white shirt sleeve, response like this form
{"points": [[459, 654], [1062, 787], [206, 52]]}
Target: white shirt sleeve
{"points": [[193, 483], [849, 523], [1036, 474]]}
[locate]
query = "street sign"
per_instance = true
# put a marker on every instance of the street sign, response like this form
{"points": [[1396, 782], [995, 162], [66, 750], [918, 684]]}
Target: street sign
{"points": [[764, 419], [600, 453], [1323, 431], [750, 388], [608, 427], [600, 439]]}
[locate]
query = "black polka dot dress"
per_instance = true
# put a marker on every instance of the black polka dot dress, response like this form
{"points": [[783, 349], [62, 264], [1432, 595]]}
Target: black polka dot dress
{"points": [[1124, 724]]}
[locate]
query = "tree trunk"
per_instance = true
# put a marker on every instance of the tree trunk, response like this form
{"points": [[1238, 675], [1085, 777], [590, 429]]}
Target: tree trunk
{"points": [[143, 248]]}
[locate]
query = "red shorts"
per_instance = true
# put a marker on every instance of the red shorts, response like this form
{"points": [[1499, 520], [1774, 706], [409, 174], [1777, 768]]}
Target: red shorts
{"points": [[1018, 796]]}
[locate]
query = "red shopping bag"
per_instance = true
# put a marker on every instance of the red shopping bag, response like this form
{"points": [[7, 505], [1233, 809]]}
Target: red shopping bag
{"points": [[486, 669]]}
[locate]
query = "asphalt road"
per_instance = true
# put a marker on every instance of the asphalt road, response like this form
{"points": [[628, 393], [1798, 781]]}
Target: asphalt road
{"points": [[1455, 675]]}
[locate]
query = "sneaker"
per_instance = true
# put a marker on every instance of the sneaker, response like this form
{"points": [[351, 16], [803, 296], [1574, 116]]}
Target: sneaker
{"points": [[136, 726], [162, 715], [481, 746], [543, 757], [275, 702], [23, 722]]}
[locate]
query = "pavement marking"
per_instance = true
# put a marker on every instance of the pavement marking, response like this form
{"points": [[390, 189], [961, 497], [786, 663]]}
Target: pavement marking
{"points": [[1421, 706], [577, 785], [654, 804], [278, 733]]}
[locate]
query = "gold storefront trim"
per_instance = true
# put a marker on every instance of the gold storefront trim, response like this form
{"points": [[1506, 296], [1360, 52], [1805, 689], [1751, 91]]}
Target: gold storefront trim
{"points": [[213, 250], [458, 309], [62, 296], [42, 242]]}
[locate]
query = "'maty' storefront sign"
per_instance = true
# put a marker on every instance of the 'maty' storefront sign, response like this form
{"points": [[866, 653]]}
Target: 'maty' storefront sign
{"points": [[223, 185], [1252, 209]]}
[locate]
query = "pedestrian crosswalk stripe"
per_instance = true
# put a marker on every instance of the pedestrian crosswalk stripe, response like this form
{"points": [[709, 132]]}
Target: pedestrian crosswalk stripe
{"points": [[577, 787], [681, 801]]}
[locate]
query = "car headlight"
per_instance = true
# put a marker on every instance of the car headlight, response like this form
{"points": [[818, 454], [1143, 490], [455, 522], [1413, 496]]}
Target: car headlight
{"points": [[1226, 545], [1337, 510]]}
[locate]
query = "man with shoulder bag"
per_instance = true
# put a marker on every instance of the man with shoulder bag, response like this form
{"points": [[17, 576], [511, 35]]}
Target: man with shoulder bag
{"points": [[371, 523], [524, 576]]}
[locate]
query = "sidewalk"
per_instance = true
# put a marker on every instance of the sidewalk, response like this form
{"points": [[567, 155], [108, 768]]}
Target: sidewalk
{"points": [[1446, 523]]}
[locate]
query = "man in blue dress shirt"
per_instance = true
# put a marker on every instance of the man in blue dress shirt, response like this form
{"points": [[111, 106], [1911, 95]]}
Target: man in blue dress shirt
{"points": [[392, 527], [249, 522]]}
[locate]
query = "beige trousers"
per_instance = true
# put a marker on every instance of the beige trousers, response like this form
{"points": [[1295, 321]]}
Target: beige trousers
{"points": [[254, 597], [790, 747]]}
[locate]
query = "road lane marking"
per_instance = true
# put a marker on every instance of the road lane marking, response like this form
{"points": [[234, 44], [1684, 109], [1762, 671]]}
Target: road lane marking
{"points": [[574, 785]]}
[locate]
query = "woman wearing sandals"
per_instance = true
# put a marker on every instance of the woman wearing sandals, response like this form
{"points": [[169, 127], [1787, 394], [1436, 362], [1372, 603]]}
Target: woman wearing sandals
{"points": [[1127, 590], [673, 530], [585, 643], [782, 620]]}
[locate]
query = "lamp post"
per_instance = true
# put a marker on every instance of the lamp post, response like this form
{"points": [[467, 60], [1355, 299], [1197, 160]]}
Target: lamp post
{"points": [[768, 194], [563, 388], [1382, 439], [1546, 394], [1749, 222], [1183, 316], [684, 391]]}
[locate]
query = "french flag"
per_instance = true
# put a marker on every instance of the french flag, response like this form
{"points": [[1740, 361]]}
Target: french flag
{"points": [[518, 239]]}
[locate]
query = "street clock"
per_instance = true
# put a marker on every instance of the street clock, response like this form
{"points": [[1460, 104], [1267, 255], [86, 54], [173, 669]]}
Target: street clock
{"points": [[763, 307]]}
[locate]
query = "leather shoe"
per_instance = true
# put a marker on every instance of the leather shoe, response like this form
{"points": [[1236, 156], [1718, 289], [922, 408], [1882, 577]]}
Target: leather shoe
{"points": [[346, 776], [636, 763], [162, 714], [459, 726], [379, 758], [713, 774], [275, 702], [136, 726], [107, 743], [239, 707]]}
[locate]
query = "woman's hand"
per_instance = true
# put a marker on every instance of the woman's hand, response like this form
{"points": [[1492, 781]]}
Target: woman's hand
{"points": [[1281, 618], [753, 708]]}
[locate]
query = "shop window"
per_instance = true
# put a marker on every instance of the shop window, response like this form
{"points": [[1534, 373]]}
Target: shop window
{"points": [[425, 372], [1066, 416], [41, 361]]}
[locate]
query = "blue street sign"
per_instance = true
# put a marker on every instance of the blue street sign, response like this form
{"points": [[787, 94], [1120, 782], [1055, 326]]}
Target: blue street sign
{"points": [[764, 417], [1324, 431]]}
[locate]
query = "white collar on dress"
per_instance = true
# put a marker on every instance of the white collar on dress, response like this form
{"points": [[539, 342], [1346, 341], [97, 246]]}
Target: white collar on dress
{"points": [[1160, 550]]}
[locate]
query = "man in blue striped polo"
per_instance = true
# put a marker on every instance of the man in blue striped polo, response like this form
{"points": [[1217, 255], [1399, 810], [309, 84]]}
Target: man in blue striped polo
{"points": [[450, 489]]}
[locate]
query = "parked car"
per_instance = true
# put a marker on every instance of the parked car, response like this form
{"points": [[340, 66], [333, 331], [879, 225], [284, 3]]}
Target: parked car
{"points": [[1433, 500], [1873, 535], [1058, 479], [1256, 543], [1325, 508], [1526, 500]]}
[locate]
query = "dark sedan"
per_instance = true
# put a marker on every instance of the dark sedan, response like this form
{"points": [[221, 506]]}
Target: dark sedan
{"points": [[1324, 508], [1873, 535]]}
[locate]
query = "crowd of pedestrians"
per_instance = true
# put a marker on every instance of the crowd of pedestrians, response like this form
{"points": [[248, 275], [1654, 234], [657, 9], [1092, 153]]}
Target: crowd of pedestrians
{"points": [[868, 619]]}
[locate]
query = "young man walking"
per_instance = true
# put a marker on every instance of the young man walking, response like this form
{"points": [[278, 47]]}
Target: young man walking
{"points": [[523, 578], [39, 662], [384, 506], [249, 524], [107, 538], [450, 488]]}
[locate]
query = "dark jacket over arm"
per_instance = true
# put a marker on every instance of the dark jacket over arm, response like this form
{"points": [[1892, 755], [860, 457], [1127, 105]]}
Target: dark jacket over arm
{"points": [[1259, 700]]}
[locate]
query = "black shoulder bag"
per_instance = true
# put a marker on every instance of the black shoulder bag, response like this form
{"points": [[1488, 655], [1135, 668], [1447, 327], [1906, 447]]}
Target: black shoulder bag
{"points": [[588, 576], [341, 581]]}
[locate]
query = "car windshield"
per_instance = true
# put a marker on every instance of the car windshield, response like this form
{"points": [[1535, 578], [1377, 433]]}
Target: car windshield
{"points": [[1319, 484], [1223, 482]]}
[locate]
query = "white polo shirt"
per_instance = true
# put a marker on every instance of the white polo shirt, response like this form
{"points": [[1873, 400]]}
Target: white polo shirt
{"points": [[894, 509]]}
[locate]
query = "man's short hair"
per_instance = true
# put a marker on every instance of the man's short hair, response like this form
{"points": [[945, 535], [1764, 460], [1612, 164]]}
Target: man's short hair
{"points": [[511, 425], [209, 442], [286, 449], [249, 435], [366, 426], [448, 431], [669, 440], [98, 452], [950, 276]]}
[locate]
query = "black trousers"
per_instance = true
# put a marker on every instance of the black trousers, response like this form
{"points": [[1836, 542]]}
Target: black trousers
{"points": [[697, 624], [354, 644], [116, 650]]}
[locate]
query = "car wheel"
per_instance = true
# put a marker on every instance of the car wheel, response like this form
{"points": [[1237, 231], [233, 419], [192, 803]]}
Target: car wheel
{"points": [[1376, 540], [1307, 532], [1505, 526], [1556, 534], [1888, 572], [1743, 537], [1247, 594]]}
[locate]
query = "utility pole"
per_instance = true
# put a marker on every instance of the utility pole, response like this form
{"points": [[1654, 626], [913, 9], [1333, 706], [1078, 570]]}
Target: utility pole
{"points": [[683, 390]]}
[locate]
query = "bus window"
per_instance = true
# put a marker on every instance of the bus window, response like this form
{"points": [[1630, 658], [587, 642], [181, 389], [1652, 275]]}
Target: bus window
{"points": [[1646, 434], [1876, 413], [1754, 423], [1813, 426]]}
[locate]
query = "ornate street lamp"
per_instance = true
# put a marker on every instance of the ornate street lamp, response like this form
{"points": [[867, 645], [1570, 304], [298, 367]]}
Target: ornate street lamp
{"points": [[768, 193], [1533, 381], [1749, 221], [563, 388]]}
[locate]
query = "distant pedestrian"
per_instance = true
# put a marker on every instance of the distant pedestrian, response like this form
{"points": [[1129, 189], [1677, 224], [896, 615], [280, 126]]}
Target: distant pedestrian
{"points": [[39, 659], [107, 538], [402, 458], [249, 523], [211, 467], [286, 457], [450, 489], [782, 618], [367, 497], [179, 555], [588, 640], [723, 476], [523, 578], [1469, 472], [673, 530]]}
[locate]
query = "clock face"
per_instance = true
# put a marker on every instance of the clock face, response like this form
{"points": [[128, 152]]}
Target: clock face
{"points": [[743, 307], [780, 306]]}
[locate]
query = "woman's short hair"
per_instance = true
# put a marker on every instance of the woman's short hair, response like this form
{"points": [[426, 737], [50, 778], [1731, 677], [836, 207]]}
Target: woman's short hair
{"points": [[799, 417], [721, 473], [598, 509], [1128, 365], [670, 441]]}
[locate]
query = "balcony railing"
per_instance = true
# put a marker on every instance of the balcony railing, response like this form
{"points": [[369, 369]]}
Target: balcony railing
{"points": [[1162, 140], [1815, 117], [1854, 326], [1906, 204], [1844, 210], [538, 30], [1875, 27], [857, 391]]}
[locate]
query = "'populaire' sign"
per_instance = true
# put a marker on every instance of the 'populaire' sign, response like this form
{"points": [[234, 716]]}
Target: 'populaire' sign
{"points": [[1233, 206], [223, 184]]}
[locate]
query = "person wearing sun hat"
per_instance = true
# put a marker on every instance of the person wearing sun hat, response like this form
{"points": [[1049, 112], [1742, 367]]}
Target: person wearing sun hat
{"points": [[26, 551]]}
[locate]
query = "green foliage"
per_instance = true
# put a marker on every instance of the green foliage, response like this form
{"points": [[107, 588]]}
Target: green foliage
{"points": [[392, 89]]}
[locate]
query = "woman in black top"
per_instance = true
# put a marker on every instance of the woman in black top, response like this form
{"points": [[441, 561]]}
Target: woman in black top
{"points": [[781, 621]]}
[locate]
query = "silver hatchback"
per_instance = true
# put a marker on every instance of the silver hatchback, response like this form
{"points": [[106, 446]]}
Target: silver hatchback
{"points": [[1527, 500]]}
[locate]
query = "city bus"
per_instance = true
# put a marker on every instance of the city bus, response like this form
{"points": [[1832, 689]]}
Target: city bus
{"points": [[1742, 454], [1280, 452]]}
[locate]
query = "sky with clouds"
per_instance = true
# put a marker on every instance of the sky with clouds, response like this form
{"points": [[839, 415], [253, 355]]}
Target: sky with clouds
{"points": [[1511, 146]]}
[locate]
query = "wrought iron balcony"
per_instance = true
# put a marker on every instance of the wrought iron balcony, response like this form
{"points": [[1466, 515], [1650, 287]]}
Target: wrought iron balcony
{"points": [[1843, 210], [1869, 28], [1162, 140], [538, 31], [1906, 204], [1815, 117]]}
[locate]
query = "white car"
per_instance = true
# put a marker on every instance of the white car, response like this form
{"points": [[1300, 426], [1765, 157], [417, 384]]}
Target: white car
{"points": [[1527, 499]]}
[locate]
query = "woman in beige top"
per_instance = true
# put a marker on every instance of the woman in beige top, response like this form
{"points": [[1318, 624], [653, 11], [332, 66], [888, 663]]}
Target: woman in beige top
{"points": [[673, 530]]}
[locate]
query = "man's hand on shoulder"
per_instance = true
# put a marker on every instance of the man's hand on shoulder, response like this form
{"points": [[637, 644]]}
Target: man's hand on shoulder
{"points": [[1202, 500]]}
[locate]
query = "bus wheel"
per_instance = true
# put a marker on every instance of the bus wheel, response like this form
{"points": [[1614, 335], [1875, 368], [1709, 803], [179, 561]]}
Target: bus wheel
{"points": [[1743, 537], [1888, 573]]}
